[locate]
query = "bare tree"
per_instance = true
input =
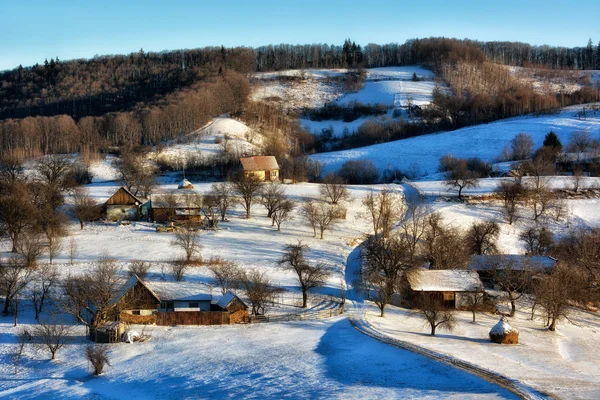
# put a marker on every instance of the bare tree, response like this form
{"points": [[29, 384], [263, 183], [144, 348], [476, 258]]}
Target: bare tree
{"points": [[579, 142], [139, 268], [14, 276], [442, 245], [309, 211], [577, 179], [434, 313], [538, 240], [384, 262], [178, 270], [188, 239], [226, 274], [283, 212], [72, 250], [553, 293], [326, 218], [413, 227], [248, 187], [53, 335], [97, 355], [521, 146], [52, 170], [84, 207], [459, 176], [334, 189], [474, 302], [481, 237], [170, 202], [258, 288], [137, 173], [511, 193], [44, 281], [512, 275], [12, 172], [29, 246], [271, 196], [385, 209], [224, 196], [17, 214], [309, 276], [89, 297]]}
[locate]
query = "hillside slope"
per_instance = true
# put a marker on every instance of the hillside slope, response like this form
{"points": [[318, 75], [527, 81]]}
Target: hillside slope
{"points": [[486, 141]]}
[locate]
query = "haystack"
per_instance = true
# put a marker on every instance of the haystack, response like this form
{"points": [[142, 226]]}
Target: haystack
{"points": [[503, 333], [185, 184]]}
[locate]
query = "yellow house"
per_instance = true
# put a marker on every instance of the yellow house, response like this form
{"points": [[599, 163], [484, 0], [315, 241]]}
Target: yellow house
{"points": [[263, 167]]}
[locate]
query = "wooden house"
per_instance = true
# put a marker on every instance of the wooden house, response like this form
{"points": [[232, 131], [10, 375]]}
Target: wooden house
{"points": [[263, 167], [176, 205], [176, 303], [489, 267], [123, 205], [448, 286]]}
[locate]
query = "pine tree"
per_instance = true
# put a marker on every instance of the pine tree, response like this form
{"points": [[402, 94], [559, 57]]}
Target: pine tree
{"points": [[551, 140]]}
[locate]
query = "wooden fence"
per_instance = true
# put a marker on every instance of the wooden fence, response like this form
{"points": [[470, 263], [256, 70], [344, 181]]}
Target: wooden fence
{"points": [[321, 314], [192, 318]]}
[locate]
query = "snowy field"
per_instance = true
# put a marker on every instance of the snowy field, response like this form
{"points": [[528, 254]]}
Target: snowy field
{"points": [[562, 363], [392, 86], [485, 141], [205, 141], [321, 359]]}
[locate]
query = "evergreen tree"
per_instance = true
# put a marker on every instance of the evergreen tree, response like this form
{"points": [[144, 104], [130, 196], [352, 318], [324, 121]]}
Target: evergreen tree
{"points": [[551, 140]]}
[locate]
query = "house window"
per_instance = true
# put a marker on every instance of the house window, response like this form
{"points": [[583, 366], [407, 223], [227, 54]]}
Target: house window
{"points": [[135, 312], [448, 296], [193, 305]]}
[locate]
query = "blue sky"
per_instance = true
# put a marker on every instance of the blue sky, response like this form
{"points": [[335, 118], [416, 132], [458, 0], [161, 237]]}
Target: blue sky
{"points": [[32, 30]]}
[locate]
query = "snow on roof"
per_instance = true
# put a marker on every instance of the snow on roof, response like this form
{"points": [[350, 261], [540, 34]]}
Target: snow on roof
{"points": [[227, 298], [184, 198], [516, 262], [259, 163], [444, 280], [180, 290], [502, 327]]}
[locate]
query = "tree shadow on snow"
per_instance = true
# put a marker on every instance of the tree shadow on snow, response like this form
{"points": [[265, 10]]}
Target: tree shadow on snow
{"points": [[353, 358]]}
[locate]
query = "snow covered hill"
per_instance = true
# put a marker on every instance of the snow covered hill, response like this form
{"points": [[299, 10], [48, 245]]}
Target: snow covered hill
{"points": [[211, 140], [486, 141]]}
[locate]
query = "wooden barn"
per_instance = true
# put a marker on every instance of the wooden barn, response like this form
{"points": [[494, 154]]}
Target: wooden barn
{"points": [[449, 286], [176, 205], [123, 205], [489, 267], [263, 167], [176, 303]]}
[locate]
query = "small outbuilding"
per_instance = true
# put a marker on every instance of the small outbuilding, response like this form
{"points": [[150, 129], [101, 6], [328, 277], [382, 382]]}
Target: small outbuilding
{"points": [[263, 167], [176, 205], [123, 205], [449, 287]]}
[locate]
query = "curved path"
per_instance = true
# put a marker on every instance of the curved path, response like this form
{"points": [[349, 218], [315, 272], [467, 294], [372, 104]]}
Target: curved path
{"points": [[356, 309]]}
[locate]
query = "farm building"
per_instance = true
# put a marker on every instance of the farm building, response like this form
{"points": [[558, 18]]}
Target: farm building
{"points": [[449, 286], [489, 266], [176, 303], [123, 205], [176, 205], [264, 167]]}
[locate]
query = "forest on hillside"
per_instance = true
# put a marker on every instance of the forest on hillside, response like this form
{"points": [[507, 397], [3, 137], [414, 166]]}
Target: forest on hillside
{"points": [[145, 98]]}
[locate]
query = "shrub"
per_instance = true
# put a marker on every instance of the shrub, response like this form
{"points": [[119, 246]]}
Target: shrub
{"points": [[97, 356], [359, 172]]}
